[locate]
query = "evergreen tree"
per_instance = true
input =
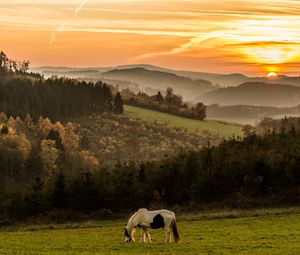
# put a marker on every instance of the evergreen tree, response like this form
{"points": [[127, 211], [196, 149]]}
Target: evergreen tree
{"points": [[54, 136], [35, 199], [60, 195], [3, 62], [118, 104], [159, 97]]}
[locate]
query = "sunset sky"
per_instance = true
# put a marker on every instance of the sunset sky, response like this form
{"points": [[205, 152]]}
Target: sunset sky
{"points": [[249, 36]]}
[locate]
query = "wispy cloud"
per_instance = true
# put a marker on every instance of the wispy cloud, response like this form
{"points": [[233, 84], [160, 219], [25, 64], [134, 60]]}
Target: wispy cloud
{"points": [[230, 32]]}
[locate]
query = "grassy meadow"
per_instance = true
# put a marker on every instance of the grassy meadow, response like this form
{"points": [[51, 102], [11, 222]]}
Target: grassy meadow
{"points": [[261, 235], [222, 128]]}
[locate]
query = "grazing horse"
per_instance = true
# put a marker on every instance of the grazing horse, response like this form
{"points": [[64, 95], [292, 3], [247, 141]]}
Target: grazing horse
{"points": [[152, 219]]}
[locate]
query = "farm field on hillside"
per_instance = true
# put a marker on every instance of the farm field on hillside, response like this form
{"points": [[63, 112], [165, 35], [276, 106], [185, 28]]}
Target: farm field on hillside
{"points": [[221, 128], [279, 234]]}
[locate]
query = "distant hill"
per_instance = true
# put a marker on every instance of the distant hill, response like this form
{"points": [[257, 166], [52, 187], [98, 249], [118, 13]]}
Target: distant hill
{"points": [[159, 80], [295, 81], [223, 80], [255, 93], [71, 72], [247, 114]]}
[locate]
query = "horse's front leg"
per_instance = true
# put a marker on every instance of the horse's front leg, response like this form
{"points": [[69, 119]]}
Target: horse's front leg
{"points": [[143, 234], [148, 236]]}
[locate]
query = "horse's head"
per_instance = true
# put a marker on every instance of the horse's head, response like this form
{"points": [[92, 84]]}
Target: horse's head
{"points": [[128, 237]]}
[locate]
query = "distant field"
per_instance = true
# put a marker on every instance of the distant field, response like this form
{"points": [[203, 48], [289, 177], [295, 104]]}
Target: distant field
{"points": [[273, 234], [221, 128]]}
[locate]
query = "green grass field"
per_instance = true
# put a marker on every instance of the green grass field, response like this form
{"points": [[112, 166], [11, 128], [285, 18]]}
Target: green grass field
{"points": [[269, 234], [221, 128]]}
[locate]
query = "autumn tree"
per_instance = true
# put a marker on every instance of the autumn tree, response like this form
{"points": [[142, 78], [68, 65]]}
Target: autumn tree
{"points": [[49, 156], [14, 152], [200, 110], [248, 129], [43, 126], [3, 118], [71, 141]]}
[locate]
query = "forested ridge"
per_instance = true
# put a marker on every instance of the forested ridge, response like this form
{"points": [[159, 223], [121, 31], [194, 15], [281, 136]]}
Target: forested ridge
{"points": [[56, 98]]}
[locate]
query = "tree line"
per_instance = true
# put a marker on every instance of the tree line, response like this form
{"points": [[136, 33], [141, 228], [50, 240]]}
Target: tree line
{"points": [[170, 103], [8, 65]]}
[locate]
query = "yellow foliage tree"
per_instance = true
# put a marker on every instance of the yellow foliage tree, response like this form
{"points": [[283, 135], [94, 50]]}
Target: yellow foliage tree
{"points": [[49, 156]]}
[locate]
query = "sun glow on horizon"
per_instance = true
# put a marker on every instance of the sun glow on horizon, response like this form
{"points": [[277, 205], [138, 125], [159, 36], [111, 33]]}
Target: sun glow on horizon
{"points": [[272, 75], [273, 54]]}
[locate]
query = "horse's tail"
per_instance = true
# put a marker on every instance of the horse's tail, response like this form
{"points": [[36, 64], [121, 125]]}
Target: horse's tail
{"points": [[175, 232]]}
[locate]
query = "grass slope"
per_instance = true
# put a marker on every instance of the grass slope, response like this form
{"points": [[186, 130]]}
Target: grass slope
{"points": [[221, 128], [272, 234]]}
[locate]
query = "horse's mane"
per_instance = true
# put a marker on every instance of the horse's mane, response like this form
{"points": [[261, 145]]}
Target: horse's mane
{"points": [[136, 213]]}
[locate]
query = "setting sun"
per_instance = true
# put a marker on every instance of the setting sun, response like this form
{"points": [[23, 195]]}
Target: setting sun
{"points": [[272, 75]]}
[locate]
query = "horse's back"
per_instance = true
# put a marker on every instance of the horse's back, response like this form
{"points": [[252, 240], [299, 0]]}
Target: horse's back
{"points": [[163, 212], [166, 212]]}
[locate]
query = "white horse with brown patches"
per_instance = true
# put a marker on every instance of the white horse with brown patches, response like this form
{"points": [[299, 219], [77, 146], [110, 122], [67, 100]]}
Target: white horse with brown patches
{"points": [[145, 219]]}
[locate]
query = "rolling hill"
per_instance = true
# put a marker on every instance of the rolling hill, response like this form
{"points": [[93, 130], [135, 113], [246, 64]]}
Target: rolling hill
{"points": [[223, 80], [255, 93], [71, 72], [187, 87]]}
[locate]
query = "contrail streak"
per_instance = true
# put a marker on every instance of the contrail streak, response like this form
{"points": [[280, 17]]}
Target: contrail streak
{"points": [[80, 6], [62, 26], [54, 34]]}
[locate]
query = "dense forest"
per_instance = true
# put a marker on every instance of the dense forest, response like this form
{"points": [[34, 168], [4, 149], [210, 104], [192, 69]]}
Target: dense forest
{"points": [[256, 170], [56, 98]]}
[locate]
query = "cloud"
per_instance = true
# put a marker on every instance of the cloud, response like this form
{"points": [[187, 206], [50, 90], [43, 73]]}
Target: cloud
{"points": [[227, 31]]}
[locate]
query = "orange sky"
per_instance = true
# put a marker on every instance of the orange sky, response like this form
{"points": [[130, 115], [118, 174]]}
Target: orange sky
{"points": [[249, 36]]}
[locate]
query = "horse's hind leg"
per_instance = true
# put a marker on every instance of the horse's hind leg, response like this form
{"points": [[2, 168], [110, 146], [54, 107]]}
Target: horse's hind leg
{"points": [[168, 235]]}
